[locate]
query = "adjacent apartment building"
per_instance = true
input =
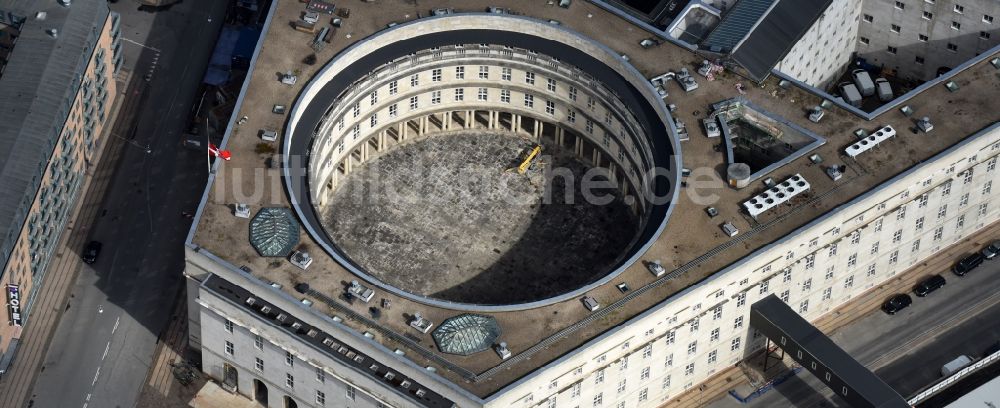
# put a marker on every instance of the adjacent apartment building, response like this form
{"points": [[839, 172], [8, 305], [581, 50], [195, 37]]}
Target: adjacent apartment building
{"points": [[57, 87]]}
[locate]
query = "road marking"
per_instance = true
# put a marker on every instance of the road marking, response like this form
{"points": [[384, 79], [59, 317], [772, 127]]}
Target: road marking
{"points": [[97, 374], [106, 348], [117, 319], [88, 399], [141, 44]]}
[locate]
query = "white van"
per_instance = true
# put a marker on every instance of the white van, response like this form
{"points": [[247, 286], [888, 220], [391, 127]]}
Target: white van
{"points": [[955, 365]]}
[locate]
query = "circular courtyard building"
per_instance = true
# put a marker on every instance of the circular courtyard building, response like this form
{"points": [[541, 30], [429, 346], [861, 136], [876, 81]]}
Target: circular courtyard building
{"points": [[481, 162]]}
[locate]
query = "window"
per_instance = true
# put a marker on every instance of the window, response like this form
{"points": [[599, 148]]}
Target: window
{"points": [[351, 392], [415, 80], [393, 87], [373, 98], [901, 213], [320, 398], [669, 360], [829, 273], [642, 395], [590, 102], [900, 5], [229, 325], [804, 306], [647, 351], [550, 107], [589, 126], [599, 399], [959, 8], [689, 369], [894, 28], [320, 375], [864, 40], [763, 287], [373, 121], [436, 75], [943, 211], [621, 386], [985, 35], [505, 74], [550, 84], [229, 348], [964, 200], [784, 296], [955, 25], [717, 312], [357, 109], [505, 95], [714, 336], [571, 116], [414, 103], [833, 251], [599, 378], [868, 18], [553, 384], [435, 97], [810, 261], [807, 284], [575, 390], [874, 249], [988, 19], [693, 347], [670, 337], [786, 275], [952, 47], [741, 299], [827, 293], [623, 364], [897, 236], [694, 324], [922, 38], [459, 95], [987, 187], [484, 72], [459, 72], [992, 164], [922, 201], [258, 364], [852, 260], [529, 78], [529, 101], [289, 359], [916, 246], [849, 282], [289, 381], [892, 50], [938, 232], [919, 224], [666, 382], [960, 221], [483, 94], [738, 323], [928, 15], [871, 270], [982, 209], [572, 93], [856, 237]]}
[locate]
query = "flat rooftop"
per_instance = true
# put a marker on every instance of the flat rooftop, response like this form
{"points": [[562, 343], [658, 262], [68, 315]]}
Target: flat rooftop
{"points": [[967, 110]]}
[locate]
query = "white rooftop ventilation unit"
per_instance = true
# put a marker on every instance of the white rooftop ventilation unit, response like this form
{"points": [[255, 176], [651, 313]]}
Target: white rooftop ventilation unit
{"points": [[871, 141], [420, 323], [301, 259], [241, 210], [776, 195]]}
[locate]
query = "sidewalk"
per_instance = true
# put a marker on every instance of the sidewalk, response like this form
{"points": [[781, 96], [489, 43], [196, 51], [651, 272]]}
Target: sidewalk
{"points": [[62, 271], [733, 378], [162, 390]]}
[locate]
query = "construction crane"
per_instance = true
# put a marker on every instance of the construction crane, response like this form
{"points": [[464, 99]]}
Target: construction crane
{"points": [[523, 167]]}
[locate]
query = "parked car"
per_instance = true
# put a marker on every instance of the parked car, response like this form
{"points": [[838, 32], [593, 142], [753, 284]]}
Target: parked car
{"points": [[955, 365], [896, 303], [991, 250], [967, 264], [91, 251], [929, 285]]}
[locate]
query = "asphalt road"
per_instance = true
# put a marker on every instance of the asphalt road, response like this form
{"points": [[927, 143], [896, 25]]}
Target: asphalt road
{"points": [[906, 350], [104, 343]]}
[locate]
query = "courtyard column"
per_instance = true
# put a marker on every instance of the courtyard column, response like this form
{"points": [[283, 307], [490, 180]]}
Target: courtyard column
{"points": [[513, 122], [403, 128], [538, 129], [468, 119], [559, 136], [578, 147], [447, 120], [597, 158], [381, 140]]}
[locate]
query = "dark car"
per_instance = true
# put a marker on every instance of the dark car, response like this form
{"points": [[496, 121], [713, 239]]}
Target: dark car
{"points": [[967, 264], [896, 303], [91, 252], [991, 250], [929, 285]]}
